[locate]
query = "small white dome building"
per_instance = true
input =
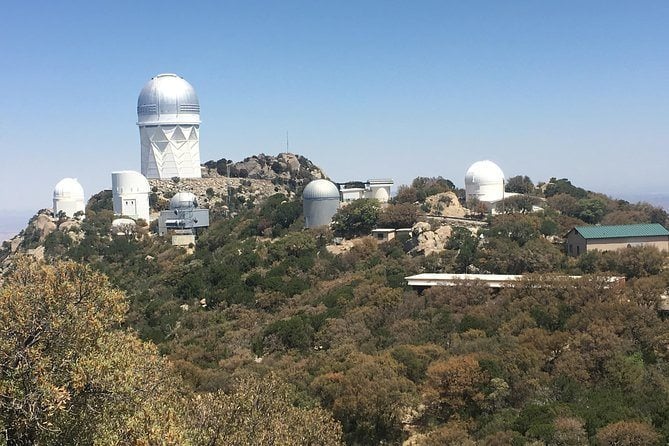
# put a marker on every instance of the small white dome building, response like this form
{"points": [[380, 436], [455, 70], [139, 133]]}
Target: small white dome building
{"points": [[183, 200], [320, 203], [379, 189], [130, 192], [484, 181], [68, 197], [168, 116]]}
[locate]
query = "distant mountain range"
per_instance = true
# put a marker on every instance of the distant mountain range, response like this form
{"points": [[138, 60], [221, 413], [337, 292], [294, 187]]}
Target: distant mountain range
{"points": [[656, 199]]}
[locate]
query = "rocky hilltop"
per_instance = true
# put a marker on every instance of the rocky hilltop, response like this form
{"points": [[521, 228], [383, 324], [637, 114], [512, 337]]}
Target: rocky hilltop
{"points": [[285, 167], [250, 181]]}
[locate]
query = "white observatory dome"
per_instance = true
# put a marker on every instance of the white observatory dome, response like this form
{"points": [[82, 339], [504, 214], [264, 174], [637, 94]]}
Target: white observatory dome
{"points": [[129, 181], [68, 197], [130, 194], [484, 181], [183, 200], [320, 189], [320, 201], [168, 99], [68, 188]]}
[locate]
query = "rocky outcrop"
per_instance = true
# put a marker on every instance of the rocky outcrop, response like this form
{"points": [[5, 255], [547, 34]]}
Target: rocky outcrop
{"points": [[284, 166], [214, 190], [42, 225], [445, 204], [251, 180], [428, 240], [29, 241]]}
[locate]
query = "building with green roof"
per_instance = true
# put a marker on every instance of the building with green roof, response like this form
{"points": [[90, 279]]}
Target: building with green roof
{"points": [[614, 237]]}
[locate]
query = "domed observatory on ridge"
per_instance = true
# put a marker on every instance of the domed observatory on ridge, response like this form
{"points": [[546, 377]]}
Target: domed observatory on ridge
{"points": [[183, 200], [484, 181], [130, 193], [68, 197], [183, 219], [168, 116], [320, 203]]}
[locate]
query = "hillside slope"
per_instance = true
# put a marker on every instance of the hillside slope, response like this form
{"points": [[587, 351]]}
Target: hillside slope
{"points": [[552, 361]]}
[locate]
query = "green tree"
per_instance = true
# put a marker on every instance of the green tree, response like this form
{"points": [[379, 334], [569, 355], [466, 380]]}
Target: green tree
{"points": [[627, 433], [501, 256], [569, 431], [635, 261], [68, 374], [101, 201], [406, 194], [278, 213], [357, 218], [466, 244], [369, 398], [259, 411], [592, 210], [564, 186], [640, 261], [519, 228], [450, 434], [564, 203], [454, 386], [477, 207], [402, 215], [520, 184], [517, 203], [421, 188]]}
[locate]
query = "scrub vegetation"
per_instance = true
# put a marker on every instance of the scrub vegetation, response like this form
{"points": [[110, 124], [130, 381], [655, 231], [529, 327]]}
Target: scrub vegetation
{"points": [[262, 336]]}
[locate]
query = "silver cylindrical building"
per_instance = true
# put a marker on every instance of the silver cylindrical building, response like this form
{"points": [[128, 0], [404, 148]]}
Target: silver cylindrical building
{"points": [[320, 203], [168, 116]]}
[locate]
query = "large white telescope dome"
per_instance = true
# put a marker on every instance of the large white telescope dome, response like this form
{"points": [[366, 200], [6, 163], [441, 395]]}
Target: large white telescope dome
{"points": [[68, 188], [168, 116], [484, 181], [68, 197], [168, 99], [129, 181]]}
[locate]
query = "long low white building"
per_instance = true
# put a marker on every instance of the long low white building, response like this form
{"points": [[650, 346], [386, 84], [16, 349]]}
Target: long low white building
{"points": [[427, 280]]}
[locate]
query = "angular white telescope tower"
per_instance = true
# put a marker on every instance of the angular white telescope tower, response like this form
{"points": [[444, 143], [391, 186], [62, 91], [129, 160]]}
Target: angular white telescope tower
{"points": [[168, 116]]}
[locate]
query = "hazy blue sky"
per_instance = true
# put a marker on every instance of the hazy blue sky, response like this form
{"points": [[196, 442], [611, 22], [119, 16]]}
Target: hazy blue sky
{"points": [[575, 89]]}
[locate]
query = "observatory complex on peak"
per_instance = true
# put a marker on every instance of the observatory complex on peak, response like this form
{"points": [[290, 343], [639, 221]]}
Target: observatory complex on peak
{"points": [[168, 116]]}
